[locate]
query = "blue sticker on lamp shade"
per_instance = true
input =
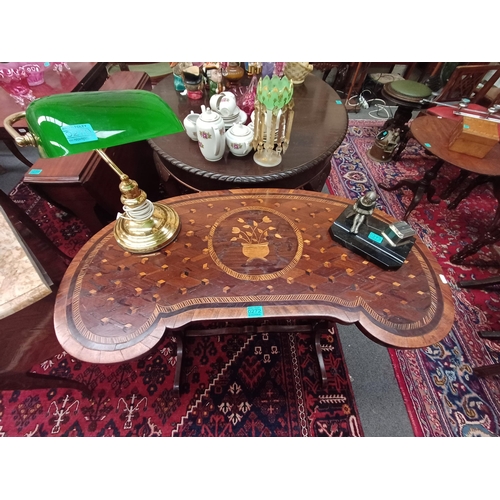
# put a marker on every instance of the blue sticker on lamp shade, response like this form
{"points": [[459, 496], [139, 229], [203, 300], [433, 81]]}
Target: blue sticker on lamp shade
{"points": [[255, 311], [466, 126], [35, 171], [375, 237], [77, 134], [338, 101], [427, 145]]}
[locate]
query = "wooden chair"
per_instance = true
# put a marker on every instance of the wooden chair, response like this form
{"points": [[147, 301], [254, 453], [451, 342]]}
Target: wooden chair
{"points": [[465, 80], [27, 337]]}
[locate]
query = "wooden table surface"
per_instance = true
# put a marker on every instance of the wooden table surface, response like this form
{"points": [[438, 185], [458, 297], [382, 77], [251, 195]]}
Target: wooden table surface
{"points": [[434, 134], [319, 126], [113, 305], [80, 77]]}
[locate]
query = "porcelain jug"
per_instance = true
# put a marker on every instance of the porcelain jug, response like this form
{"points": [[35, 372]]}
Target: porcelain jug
{"points": [[211, 134], [239, 139], [190, 125]]}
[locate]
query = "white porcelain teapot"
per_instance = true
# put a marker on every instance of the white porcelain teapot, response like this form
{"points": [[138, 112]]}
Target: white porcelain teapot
{"points": [[211, 134], [239, 139]]}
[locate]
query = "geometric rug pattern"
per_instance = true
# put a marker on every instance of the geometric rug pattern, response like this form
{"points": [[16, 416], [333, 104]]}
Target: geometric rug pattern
{"points": [[231, 385], [442, 395]]}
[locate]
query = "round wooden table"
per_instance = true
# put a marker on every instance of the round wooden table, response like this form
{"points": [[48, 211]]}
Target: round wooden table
{"points": [[319, 126], [433, 133]]}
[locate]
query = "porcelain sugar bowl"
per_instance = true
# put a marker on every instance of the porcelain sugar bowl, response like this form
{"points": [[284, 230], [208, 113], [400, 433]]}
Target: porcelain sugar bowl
{"points": [[239, 139], [211, 134]]}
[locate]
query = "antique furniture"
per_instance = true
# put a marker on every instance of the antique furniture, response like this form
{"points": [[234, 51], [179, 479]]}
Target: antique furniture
{"points": [[434, 133], [80, 183], [407, 95], [319, 126], [462, 82], [246, 255], [82, 76], [31, 268], [465, 82]]}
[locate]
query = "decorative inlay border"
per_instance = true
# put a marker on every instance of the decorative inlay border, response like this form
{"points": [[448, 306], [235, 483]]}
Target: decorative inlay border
{"points": [[134, 336]]}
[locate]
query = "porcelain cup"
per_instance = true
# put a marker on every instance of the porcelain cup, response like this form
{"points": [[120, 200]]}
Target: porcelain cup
{"points": [[190, 125], [224, 103]]}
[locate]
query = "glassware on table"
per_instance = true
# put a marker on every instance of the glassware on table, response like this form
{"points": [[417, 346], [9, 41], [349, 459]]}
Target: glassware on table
{"points": [[246, 98], [279, 69], [233, 73], [267, 69]]}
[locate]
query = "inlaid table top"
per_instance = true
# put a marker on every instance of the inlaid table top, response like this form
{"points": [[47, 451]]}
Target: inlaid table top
{"points": [[434, 132], [240, 255]]}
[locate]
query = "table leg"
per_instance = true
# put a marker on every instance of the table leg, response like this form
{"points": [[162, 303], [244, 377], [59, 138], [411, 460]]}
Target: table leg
{"points": [[454, 184], [494, 368], [418, 187], [405, 137], [178, 363], [489, 236], [13, 149], [466, 190], [484, 283], [319, 353], [486, 370], [11, 381]]}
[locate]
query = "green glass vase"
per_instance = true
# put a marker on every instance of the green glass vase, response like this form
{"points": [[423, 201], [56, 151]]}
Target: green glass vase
{"points": [[66, 124]]}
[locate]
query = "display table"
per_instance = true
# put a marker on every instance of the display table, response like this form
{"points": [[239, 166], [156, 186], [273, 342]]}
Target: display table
{"points": [[433, 133], [319, 126], [244, 255]]}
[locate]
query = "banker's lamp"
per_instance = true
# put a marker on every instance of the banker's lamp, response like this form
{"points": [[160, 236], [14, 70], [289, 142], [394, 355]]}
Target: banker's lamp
{"points": [[66, 124]]}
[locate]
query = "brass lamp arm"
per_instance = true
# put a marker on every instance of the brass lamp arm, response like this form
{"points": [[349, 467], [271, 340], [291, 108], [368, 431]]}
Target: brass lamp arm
{"points": [[27, 139]]}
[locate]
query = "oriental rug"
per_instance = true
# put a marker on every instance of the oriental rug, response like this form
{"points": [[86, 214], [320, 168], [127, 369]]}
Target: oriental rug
{"points": [[231, 385], [442, 395]]}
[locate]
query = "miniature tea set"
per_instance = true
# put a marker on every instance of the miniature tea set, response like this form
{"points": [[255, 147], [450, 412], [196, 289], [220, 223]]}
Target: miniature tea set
{"points": [[220, 124]]}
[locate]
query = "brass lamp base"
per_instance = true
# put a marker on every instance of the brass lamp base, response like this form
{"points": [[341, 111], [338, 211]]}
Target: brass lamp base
{"points": [[148, 235]]}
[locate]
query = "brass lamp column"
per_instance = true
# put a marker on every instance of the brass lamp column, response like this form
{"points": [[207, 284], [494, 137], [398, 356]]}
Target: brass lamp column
{"points": [[66, 124], [145, 226]]}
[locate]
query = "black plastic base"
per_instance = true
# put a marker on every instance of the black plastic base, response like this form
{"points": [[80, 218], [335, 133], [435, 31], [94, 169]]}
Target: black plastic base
{"points": [[369, 241]]}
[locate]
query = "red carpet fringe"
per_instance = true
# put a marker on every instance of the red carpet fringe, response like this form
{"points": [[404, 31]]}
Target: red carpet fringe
{"points": [[442, 395], [231, 385]]}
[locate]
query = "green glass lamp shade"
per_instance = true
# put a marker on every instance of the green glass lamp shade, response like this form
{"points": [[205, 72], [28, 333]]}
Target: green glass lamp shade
{"points": [[66, 124]]}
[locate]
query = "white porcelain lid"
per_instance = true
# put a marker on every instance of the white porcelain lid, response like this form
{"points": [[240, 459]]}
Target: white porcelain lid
{"points": [[209, 116], [240, 130]]}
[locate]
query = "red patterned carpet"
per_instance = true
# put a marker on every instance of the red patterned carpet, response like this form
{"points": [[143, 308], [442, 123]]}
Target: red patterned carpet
{"points": [[442, 395], [232, 385]]}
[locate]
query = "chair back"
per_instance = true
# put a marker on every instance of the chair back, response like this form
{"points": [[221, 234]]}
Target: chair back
{"points": [[464, 82]]}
